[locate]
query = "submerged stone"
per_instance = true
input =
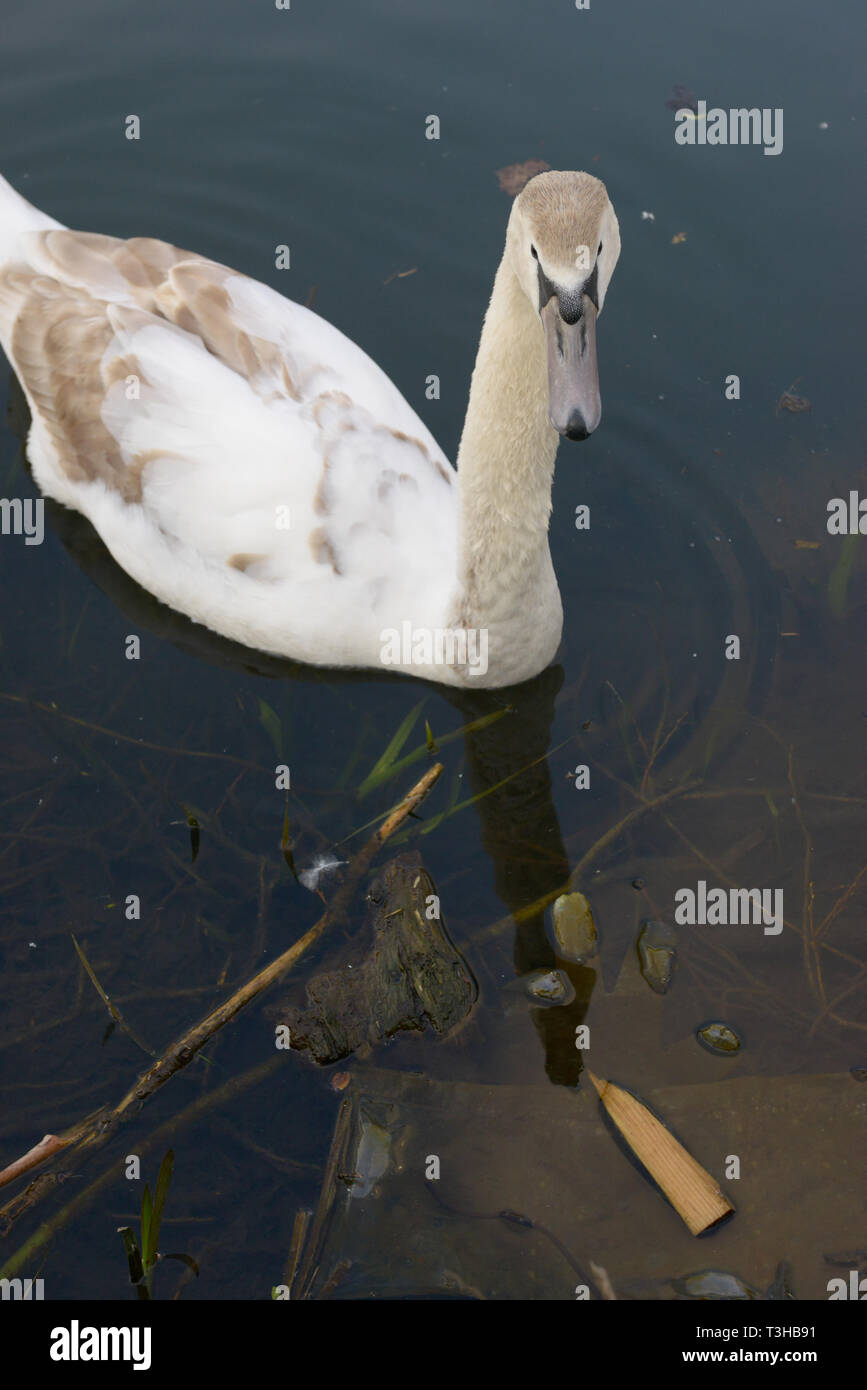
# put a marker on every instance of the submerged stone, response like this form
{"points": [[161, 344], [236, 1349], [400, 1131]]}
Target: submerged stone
{"points": [[657, 952], [574, 928], [372, 1157], [549, 987], [714, 1284], [718, 1038]]}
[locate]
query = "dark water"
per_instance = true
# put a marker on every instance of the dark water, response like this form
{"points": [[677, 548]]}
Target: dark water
{"points": [[306, 126]]}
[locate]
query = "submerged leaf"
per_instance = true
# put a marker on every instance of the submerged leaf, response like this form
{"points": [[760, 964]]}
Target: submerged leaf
{"points": [[147, 1208], [400, 274], [270, 721], [383, 766], [94, 981], [194, 833], [839, 581], [162, 1189], [789, 401], [133, 1254], [794, 404], [286, 843], [423, 749]]}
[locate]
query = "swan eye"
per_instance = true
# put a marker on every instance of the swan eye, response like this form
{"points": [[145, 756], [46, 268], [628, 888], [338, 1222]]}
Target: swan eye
{"points": [[599, 248], [534, 253]]}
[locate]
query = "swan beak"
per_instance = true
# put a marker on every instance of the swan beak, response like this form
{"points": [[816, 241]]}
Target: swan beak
{"points": [[574, 403]]}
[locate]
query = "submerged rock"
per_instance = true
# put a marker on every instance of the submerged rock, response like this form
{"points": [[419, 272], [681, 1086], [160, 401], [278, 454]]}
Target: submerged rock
{"points": [[372, 1159], [657, 952], [714, 1284], [718, 1038], [574, 928], [549, 987]]}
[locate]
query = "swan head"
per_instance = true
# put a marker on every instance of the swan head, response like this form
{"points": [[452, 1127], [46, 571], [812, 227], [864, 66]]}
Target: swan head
{"points": [[563, 243]]}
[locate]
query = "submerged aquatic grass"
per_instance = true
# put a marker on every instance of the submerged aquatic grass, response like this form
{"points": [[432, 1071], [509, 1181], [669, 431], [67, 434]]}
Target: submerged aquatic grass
{"points": [[838, 584], [143, 1254]]}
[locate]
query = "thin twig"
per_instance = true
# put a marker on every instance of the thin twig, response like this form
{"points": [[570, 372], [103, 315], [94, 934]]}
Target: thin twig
{"points": [[114, 1012], [129, 738], [812, 963]]}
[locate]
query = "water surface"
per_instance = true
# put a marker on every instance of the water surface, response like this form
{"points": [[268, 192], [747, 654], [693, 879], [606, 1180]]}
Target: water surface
{"points": [[306, 127]]}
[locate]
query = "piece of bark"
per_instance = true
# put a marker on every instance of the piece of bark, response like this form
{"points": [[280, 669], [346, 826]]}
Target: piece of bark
{"points": [[411, 976]]}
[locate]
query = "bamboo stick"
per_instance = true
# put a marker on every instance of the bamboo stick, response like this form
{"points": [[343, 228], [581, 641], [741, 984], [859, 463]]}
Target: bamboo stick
{"points": [[693, 1193]]}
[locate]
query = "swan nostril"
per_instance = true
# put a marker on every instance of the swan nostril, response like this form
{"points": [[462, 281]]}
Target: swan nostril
{"points": [[576, 427]]}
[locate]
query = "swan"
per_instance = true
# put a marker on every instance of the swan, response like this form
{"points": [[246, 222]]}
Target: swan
{"points": [[254, 469]]}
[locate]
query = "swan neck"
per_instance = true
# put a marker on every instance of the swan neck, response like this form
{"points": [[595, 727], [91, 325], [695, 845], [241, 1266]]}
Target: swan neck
{"points": [[506, 457]]}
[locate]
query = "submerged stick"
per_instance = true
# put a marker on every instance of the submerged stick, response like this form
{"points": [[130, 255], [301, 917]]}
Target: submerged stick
{"points": [[693, 1193], [93, 1133], [299, 1236], [47, 1146], [24, 1256]]}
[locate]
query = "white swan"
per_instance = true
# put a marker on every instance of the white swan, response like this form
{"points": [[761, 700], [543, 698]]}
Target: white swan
{"points": [[254, 469]]}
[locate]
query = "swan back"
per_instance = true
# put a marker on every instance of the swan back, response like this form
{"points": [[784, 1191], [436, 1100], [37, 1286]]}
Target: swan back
{"points": [[241, 457]]}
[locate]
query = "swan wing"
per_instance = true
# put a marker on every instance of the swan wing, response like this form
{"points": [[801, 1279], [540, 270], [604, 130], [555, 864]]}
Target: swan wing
{"points": [[240, 457]]}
